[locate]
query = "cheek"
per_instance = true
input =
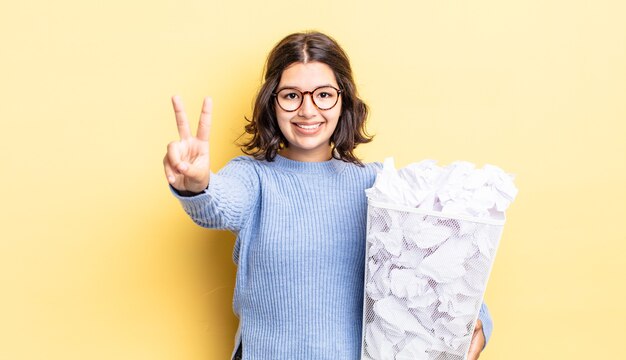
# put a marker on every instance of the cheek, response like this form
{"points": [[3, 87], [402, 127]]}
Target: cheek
{"points": [[282, 115], [336, 119], [336, 115], [284, 122], [282, 118]]}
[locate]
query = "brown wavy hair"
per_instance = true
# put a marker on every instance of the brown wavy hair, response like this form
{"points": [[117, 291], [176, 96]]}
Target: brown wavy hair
{"points": [[267, 139]]}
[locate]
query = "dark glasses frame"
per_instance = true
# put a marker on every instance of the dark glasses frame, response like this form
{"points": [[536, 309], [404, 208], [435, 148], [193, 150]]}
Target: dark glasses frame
{"points": [[304, 93]]}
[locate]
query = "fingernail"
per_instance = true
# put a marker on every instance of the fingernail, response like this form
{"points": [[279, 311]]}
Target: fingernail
{"points": [[182, 167], [171, 179]]}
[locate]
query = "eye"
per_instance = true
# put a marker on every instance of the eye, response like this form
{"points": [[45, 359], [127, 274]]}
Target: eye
{"points": [[325, 93], [289, 95]]}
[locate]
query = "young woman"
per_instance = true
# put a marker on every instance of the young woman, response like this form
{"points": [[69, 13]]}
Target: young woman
{"points": [[296, 203]]}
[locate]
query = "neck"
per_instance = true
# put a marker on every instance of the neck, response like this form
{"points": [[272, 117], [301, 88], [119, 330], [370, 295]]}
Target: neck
{"points": [[317, 155]]}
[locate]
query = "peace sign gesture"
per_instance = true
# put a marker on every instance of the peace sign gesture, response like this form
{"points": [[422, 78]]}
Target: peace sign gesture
{"points": [[187, 160]]}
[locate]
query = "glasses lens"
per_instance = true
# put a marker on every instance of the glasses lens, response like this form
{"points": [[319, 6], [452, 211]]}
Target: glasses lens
{"points": [[289, 99], [325, 97]]}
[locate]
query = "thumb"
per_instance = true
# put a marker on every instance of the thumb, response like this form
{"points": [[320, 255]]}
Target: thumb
{"points": [[478, 342]]}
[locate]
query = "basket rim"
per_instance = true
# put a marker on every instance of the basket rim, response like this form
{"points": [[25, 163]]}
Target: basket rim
{"points": [[383, 205]]}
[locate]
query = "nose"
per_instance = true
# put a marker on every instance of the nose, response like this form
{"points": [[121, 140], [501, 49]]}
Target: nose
{"points": [[308, 108]]}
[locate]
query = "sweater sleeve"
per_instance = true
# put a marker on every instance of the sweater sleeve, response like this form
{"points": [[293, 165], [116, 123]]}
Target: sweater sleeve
{"points": [[230, 197], [485, 317]]}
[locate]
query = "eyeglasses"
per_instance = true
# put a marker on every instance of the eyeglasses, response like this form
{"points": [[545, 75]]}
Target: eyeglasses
{"points": [[324, 98]]}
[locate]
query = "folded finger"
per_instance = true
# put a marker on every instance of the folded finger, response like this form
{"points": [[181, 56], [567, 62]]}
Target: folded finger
{"points": [[169, 172], [175, 157], [197, 173]]}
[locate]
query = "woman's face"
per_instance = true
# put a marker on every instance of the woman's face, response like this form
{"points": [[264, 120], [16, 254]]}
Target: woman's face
{"points": [[308, 129]]}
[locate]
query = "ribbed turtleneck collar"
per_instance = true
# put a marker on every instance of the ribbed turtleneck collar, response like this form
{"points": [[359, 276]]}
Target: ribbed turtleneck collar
{"points": [[332, 166]]}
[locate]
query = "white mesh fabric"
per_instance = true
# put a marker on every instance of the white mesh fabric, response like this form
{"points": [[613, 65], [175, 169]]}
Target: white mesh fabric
{"points": [[425, 276]]}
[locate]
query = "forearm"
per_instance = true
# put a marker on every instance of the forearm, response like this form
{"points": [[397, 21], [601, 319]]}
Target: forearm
{"points": [[227, 201]]}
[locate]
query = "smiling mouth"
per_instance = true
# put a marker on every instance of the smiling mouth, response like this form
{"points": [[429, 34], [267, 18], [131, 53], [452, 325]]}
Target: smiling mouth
{"points": [[309, 127]]}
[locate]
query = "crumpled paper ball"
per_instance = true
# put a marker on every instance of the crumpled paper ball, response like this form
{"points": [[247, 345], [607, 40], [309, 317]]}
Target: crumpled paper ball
{"points": [[457, 189]]}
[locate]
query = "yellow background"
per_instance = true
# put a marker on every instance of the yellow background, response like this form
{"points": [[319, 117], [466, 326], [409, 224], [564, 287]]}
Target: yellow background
{"points": [[98, 260]]}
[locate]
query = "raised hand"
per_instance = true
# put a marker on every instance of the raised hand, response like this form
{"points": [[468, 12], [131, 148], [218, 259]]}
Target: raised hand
{"points": [[187, 160]]}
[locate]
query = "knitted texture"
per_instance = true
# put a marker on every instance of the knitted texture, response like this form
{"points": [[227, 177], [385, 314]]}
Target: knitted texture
{"points": [[300, 252]]}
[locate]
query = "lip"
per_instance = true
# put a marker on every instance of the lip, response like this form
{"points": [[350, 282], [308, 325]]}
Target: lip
{"points": [[307, 123], [304, 131]]}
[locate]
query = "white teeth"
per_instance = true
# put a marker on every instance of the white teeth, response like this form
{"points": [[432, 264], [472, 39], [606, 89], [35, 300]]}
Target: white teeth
{"points": [[309, 127]]}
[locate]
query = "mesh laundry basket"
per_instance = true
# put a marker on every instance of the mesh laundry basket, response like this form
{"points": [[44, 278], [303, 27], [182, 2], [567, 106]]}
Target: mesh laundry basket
{"points": [[425, 276]]}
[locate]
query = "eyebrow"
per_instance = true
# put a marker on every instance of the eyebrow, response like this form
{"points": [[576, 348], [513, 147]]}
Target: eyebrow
{"points": [[297, 88]]}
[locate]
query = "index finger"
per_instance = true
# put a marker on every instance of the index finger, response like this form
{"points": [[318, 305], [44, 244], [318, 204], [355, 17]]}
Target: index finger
{"points": [[181, 117], [204, 128]]}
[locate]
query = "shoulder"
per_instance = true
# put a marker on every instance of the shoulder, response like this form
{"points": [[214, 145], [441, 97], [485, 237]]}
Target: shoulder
{"points": [[374, 166], [368, 170], [243, 161], [241, 166], [370, 167], [249, 166]]}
